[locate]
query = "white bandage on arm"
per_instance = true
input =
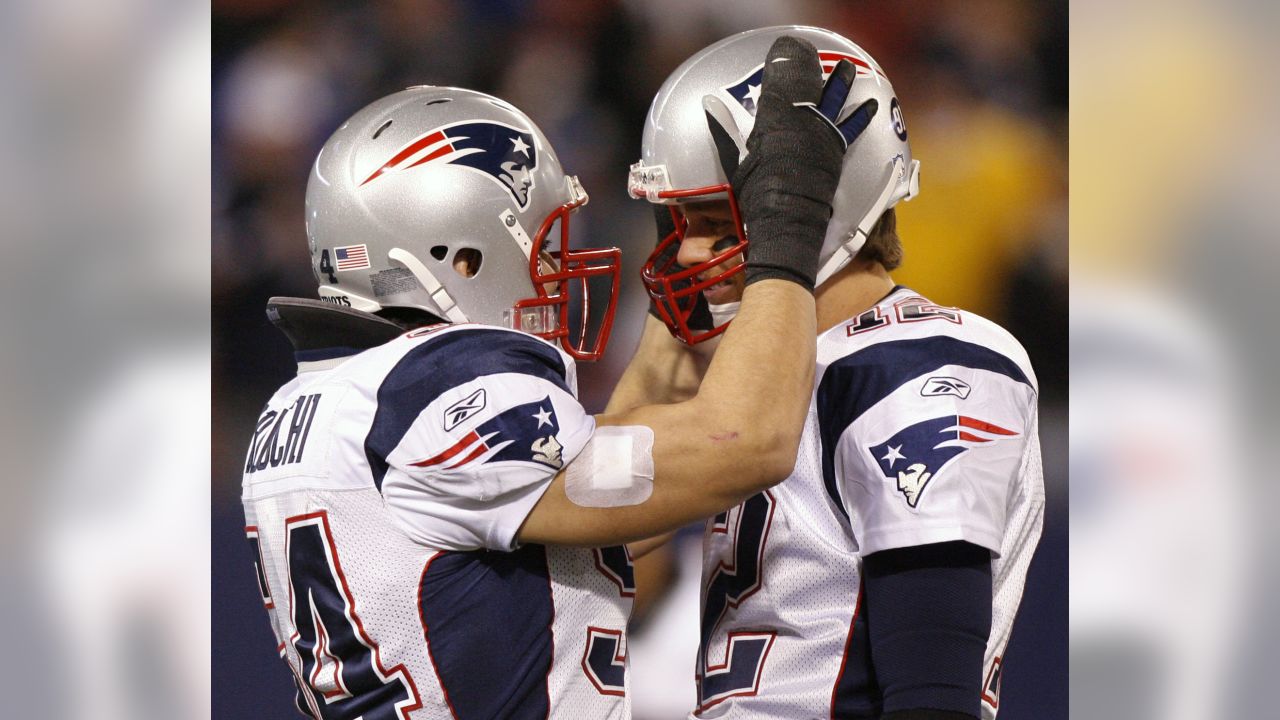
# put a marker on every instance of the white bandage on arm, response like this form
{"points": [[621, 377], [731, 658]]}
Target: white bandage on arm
{"points": [[614, 469]]}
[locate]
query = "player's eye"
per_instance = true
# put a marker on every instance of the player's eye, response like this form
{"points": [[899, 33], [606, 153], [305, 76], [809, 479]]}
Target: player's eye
{"points": [[725, 243], [710, 226]]}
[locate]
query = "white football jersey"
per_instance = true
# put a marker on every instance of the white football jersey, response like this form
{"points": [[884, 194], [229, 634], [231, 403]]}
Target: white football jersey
{"points": [[922, 429], [383, 491]]}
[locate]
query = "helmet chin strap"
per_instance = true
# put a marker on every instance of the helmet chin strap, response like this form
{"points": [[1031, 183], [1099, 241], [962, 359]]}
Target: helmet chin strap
{"points": [[723, 313], [844, 254], [446, 307]]}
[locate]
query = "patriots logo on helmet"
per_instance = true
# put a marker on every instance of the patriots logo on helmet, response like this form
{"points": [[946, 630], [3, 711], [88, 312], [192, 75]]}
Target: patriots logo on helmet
{"points": [[747, 90], [506, 438], [918, 452], [505, 154]]}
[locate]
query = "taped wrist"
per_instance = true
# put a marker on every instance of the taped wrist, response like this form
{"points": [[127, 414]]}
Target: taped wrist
{"points": [[787, 208]]}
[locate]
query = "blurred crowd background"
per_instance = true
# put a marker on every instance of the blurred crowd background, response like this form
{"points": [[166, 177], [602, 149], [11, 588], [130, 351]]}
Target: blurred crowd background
{"points": [[983, 85], [130, 243]]}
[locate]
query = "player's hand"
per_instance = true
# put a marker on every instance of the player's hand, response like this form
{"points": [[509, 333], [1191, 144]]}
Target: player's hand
{"points": [[699, 319], [795, 152]]}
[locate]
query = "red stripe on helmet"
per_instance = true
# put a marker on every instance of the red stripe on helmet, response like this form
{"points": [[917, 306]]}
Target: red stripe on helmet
{"points": [[406, 153]]}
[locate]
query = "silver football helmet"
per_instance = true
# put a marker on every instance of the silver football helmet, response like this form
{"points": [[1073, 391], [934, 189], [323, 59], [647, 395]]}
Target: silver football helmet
{"points": [[444, 200], [680, 162]]}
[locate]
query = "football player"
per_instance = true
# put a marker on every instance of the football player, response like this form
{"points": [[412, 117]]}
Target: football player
{"points": [[881, 578], [436, 520]]}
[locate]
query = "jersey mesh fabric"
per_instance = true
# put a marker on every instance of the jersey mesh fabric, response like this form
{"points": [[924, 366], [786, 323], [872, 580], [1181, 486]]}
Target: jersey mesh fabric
{"points": [[579, 587], [807, 598], [382, 569], [1009, 571]]}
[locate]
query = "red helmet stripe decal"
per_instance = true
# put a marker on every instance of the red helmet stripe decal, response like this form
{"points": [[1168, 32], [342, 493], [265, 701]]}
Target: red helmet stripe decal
{"points": [[408, 151], [830, 59]]}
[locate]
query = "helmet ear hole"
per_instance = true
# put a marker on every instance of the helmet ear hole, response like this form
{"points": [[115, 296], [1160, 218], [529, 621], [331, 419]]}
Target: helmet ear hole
{"points": [[439, 251], [466, 262]]}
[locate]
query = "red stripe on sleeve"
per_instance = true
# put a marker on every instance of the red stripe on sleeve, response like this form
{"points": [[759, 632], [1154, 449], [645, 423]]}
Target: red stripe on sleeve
{"points": [[480, 450], [458, 447], [984, 426]]}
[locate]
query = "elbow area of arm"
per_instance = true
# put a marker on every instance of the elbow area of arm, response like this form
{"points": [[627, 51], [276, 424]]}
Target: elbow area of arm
{"points": [[780, 450], [764, 458], [766, 437]]}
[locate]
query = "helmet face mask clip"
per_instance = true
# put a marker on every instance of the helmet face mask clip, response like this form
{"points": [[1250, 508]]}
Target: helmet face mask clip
{"points": [[558, 277]]}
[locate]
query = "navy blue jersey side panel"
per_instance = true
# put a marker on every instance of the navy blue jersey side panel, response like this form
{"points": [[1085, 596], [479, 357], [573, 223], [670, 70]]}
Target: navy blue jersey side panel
{"points": [[857, 692], [445, 362], [487, 619], [855, 383]]}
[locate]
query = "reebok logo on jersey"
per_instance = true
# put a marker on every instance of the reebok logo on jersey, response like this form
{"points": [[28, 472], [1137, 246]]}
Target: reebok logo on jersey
{"points": [[935, 386], [524, 433], [916, 453], [463, 409]]}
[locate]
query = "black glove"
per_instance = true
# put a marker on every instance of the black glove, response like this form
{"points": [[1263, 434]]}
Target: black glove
{"points": [[700, 319], [795, 153]]}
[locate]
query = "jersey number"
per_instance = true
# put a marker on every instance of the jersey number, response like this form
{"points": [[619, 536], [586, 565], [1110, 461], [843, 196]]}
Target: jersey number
{"points": [[605, 658], [912, 309], [615, 564], [605, 661], [728, 586], [259, 566], [341, 677]]}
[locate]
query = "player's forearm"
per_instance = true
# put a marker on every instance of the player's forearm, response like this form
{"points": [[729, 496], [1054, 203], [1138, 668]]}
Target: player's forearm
{"points": [[710, 453], [632, 390], [758, 388], [662, 371]]}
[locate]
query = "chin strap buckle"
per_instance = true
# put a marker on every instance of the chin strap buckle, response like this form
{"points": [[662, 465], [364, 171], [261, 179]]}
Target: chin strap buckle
{"points": [[443, 301]]}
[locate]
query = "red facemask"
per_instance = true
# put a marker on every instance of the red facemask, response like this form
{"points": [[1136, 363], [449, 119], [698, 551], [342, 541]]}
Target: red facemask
{"points": [[548, 314], [676, 289]]}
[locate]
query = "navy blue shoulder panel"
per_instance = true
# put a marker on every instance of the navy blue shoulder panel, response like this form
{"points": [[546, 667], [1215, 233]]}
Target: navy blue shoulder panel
{"points": [[855, 383], [439, 364]]}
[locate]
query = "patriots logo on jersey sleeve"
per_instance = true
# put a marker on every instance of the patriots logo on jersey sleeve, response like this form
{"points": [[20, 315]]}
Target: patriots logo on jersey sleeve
{"points": [[747, 90], [505, 154], [524, 433], [918, 452]]}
